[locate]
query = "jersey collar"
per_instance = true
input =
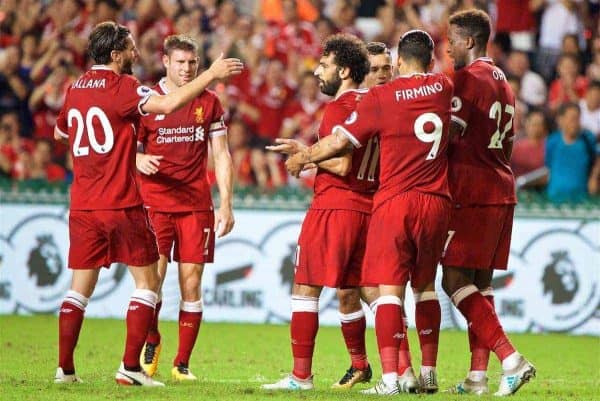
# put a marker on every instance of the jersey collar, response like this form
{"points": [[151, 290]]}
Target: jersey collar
{"points": [[359, 90]]}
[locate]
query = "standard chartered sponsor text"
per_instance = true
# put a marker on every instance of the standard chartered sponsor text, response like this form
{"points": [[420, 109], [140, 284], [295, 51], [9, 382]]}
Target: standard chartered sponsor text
{"points": [[180, 134]]}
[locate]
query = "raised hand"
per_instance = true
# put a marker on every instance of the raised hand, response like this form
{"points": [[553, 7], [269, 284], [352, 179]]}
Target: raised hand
{"points": [[223, 68]]}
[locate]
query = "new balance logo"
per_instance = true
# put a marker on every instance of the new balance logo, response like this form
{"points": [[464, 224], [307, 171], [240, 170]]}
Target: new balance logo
{"points": [[425, 332], [134, 307], [66, 310], [187, 324], [159, 117], [399, 336]]}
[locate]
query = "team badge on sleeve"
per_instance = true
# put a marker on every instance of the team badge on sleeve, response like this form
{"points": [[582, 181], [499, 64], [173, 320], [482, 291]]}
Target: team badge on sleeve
{"points": [[144, 91], [351, 118]]}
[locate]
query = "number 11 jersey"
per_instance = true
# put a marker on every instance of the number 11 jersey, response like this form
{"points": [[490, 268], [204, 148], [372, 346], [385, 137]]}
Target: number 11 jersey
{"points": [[355, 190], [483, 105], [99, 116]]}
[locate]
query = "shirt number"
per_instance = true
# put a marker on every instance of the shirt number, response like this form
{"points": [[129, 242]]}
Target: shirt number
{"points": [[75, 115], [371, 153], [434, 136], [496, 114]]}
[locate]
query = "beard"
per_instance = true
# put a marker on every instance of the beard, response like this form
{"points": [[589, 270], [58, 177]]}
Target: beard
{"points": [[127, 67], [331, 87]]}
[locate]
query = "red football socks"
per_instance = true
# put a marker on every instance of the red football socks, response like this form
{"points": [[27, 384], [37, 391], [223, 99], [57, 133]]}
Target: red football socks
{"points": [[139, 318], [303, 330], [353, 328], [389, 329], [153, 336], [428, 317], [404, 360], [482, 319], [70, 320], [480, 354]]}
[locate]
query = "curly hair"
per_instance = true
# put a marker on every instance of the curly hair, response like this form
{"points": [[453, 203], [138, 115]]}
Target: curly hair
{"points": [[106, 37], [473, 23], [349, 52]]}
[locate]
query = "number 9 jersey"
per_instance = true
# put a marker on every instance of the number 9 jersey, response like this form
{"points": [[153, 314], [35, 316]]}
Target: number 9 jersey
{"points": [[411, 115], [483, 106], [99, 116]]}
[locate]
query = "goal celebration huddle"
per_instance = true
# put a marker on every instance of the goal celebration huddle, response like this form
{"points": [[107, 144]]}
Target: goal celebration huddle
{"points": [[412, 170]]}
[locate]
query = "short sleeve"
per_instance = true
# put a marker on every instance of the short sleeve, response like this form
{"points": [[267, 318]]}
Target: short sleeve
{"points": [[61, 121], [132, 96], [462, 101], [217, 122], [362, 123]]}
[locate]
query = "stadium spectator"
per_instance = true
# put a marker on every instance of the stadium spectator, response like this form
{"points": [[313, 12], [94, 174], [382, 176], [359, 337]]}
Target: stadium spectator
{"points": [[480, 153], [15, 87], [590, 109], [533, 88], [517, 19], [559, 18], [529, 151], [104, 193], [570, 155], [302, 115], [247, 167], [42, 167], [570, 86], [176, 195]]}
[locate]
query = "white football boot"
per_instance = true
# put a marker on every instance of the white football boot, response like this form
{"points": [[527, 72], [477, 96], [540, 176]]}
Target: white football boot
{"points": [[407, 382], [61, 378], [130, 378], [513, 379], [381, 388], [290, 382]]}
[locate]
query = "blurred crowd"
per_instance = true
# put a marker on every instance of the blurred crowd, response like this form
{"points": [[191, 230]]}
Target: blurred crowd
{"points": [[549, 49]]}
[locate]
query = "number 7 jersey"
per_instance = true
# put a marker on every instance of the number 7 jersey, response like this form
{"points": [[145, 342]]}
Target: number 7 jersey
{"points": [[483, 105], [98, 117]]}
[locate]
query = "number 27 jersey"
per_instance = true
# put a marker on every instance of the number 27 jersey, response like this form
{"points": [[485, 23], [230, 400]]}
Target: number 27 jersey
{"points": [[483, 105], [98, 117]]}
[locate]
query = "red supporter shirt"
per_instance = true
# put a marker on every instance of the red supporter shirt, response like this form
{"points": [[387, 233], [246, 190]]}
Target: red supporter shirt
{"points": [[514, 16], [355, 190], [181, 183], [99, 117], [484, 106], [411, 116]]}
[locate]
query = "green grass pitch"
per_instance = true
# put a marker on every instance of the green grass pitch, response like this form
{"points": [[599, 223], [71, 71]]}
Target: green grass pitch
{"points": [[232, 360]]}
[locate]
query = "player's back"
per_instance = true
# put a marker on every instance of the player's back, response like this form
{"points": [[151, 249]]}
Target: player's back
{"points": [[479, 166], [414, 120], [355, 190], [99, 117]]}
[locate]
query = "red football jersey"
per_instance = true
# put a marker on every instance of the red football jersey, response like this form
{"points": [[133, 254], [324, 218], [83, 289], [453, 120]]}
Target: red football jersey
{"points": [[484, 106], [355, 190], [181, 183], [98, 117], [411, 116]]}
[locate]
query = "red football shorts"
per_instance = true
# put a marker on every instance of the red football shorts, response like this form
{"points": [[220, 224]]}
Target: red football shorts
{"points": [[190, 235], [331, 248], [99, 238], [480, 237], [406, 239]]}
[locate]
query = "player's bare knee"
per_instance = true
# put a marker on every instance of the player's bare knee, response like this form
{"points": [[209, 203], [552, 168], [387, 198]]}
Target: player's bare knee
{"points": [[369, 294], [349, 300], [307, 290]]}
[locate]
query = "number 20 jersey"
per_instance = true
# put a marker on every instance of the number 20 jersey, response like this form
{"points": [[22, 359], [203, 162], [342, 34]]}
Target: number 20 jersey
{"points": [[483, 105], [99, 116], [355, 190]]}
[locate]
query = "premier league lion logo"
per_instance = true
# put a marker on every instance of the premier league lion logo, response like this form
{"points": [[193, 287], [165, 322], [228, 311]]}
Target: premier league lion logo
{"points": [[45, 263], [560, 278]]}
